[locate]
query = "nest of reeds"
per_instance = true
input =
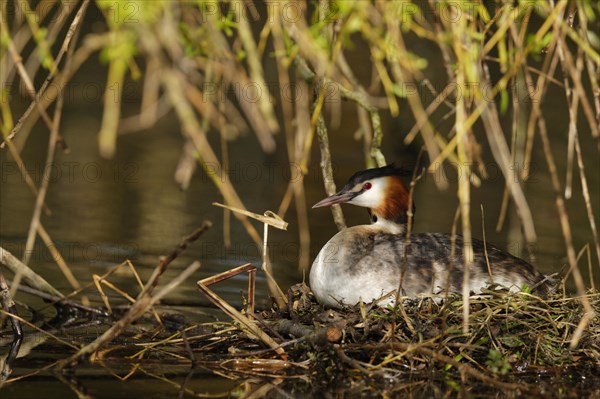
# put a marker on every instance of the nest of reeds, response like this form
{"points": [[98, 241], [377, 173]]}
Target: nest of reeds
{"points": [[512, 339], [510, 335]]}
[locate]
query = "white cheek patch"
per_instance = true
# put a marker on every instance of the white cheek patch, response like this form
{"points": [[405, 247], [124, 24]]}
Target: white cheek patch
{"points": [[372, 197]]}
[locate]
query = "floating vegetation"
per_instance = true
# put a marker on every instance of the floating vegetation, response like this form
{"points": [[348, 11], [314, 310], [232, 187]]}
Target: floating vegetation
{"points": [[511, 335]]}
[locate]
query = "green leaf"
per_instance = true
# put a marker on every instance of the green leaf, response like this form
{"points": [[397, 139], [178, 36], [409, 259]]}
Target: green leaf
{"points": [[503, 101], [497, 363], [512, 341], [123, 47], [593, 39]]}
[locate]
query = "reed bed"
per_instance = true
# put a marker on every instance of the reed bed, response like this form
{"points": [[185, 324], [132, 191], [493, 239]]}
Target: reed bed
{"points": [[416, 346], [514, 341], [187, 54], [511, 335]]}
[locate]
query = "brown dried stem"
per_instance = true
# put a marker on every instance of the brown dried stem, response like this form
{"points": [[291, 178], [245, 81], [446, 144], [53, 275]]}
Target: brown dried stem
{"points": [[28, 275], [145, 300]]}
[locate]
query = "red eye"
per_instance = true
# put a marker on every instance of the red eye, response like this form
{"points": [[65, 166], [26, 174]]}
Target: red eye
{"points": [[366, 186]]}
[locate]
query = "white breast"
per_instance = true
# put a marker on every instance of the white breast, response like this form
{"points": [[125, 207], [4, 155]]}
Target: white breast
{"points": [[331, 278]]}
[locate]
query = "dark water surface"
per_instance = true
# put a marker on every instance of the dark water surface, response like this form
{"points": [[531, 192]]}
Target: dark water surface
{"points": [[104, 212]]}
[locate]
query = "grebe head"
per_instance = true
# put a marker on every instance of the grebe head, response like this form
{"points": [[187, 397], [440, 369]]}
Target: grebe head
{"points": [[379, 189]]}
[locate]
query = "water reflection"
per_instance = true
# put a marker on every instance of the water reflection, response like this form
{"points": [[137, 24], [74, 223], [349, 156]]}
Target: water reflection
{"points": [[104, 212]]}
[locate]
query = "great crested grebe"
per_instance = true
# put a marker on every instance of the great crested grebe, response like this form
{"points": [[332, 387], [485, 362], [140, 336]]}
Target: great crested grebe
{"points": [[368, 262]]}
